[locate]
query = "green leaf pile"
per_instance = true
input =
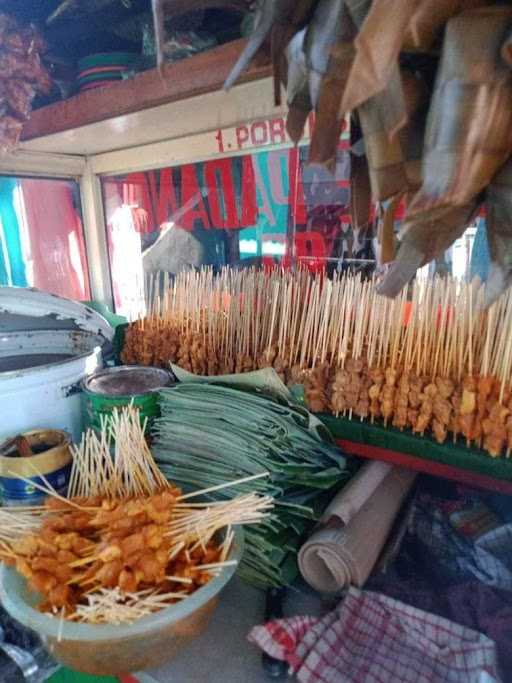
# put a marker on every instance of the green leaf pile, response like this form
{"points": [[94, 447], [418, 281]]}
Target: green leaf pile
{"points": [[209, 435]]}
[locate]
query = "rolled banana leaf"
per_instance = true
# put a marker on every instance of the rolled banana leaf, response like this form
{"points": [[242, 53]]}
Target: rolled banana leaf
{"points": [[498, 218], [429, 18], [425, 237], [297, 87], [360, 192], [395, 161], [278, 19], [283, 30], [469, 127], [266, 14], [435, 231], [506, 49], [358, 10], [321, 35], [298, 112], [324, 141], [386, 232], [378, 45], [295, 56]]}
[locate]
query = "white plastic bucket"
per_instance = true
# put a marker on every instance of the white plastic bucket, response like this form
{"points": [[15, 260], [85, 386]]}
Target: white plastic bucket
{"points": [[40, 375]]}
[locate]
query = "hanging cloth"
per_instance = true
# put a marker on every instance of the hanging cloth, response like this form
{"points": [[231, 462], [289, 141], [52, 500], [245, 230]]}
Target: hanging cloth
{"points": [[12, 263]]}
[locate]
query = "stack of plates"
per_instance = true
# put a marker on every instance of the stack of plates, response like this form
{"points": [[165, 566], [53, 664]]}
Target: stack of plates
{"points": [[101, 69]]}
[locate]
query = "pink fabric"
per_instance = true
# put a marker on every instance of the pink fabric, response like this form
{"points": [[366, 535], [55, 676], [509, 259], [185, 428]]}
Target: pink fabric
{"points": [[371, 638], [57, 248]]}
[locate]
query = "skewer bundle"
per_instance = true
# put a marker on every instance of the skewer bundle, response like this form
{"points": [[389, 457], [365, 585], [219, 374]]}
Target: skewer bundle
{"points": [[126, 542], [432, 360]]}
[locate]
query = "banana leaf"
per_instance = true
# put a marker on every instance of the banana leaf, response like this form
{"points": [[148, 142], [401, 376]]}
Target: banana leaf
{"points": [[360, 191], [321, 34], [424, 237], [266, 380], [210, 434], [394, 158], [469, 127], [308, 55], [278, 20], [282, 33], [429, 19], [386, 231], [506, 49], [325, 138], [277, 555], [378, 45], [350, 16], [297, 87], [265, 16], [435, 231], [498, 220], [289, 570]]}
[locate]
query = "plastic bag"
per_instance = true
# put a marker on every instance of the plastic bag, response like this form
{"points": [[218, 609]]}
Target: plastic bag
{"points": [[22, 656]]}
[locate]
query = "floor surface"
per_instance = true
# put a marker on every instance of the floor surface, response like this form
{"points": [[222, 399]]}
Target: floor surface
{"points": [[222, 654]]}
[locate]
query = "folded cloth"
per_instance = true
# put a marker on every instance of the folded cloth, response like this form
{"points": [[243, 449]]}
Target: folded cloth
{"points": [[461, 538], [470, 603], [337, 554], [375, 639]]}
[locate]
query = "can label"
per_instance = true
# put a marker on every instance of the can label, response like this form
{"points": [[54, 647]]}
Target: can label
{"points": [[18, 492]]}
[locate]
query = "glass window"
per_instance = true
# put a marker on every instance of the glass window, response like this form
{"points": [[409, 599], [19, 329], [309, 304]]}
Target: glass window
{"points": [[261, 208], [41, 236], [252, 209]]}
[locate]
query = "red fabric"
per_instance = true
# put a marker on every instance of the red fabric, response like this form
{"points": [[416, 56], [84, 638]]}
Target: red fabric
{"points": [[371, 638], [57, 248]]}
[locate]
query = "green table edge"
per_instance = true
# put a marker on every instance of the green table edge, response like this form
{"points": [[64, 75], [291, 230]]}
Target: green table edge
{"points": [[456, 455]]}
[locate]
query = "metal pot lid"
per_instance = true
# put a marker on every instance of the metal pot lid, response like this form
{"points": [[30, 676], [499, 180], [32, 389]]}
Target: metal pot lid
{"points": [[28, 310], [128, 380]]}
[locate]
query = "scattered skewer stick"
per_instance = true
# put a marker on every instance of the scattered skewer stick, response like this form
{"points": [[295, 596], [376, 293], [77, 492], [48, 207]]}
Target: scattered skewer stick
{"points": [[211, 489]]}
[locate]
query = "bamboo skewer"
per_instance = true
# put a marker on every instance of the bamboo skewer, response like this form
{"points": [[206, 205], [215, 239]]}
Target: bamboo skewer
{"points": [[131, 479], [309, 327]]}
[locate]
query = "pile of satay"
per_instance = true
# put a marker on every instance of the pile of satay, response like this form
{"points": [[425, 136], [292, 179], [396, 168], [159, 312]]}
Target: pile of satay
{"points": [[97, 543], [475, 409], [125, 543], [433, 361]]}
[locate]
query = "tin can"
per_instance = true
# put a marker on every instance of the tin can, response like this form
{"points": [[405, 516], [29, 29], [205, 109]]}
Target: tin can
{"points": [[51, 459], [117, 387]]}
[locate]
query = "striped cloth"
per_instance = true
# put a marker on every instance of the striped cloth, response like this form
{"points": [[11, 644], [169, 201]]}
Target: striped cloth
{"points": [[371, 638]]}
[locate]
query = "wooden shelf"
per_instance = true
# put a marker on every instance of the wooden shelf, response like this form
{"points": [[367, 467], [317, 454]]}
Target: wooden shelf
{"points": [[203, 73]]}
